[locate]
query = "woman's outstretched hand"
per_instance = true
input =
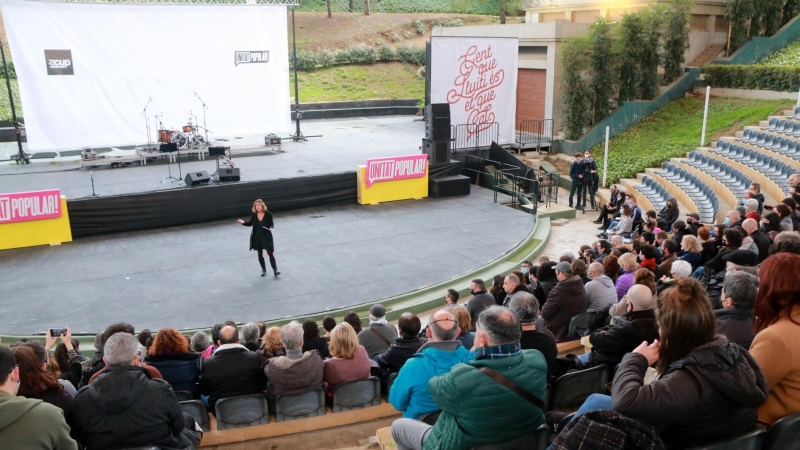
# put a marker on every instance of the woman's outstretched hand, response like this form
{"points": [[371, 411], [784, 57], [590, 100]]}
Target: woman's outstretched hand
{"points": [[239, 220]]}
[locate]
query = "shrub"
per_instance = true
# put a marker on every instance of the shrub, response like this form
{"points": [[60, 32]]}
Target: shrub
{"points": [[676, 38], [771, 78], [386, 53], [411, 55], [576, 97], [420, 27], [450, 23], [12, 73]]}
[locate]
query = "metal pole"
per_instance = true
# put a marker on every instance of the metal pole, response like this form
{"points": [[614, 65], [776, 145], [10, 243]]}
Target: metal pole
{"points": [[605, 158], [798, 98], [705, 117], [22, 157], [298, 136]]}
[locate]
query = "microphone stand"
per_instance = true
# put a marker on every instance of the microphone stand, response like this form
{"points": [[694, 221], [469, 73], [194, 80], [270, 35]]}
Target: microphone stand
{"points": [[170, 178], [147, 125], [204, 115]]}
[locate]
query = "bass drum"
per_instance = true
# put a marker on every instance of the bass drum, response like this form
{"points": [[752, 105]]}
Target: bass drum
{"points": [[180, 140]]}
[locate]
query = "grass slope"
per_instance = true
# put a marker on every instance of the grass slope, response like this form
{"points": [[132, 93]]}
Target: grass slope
{"points": [[5, 106], [675, 130], [787, 56], [381, 80], [406, 6]]}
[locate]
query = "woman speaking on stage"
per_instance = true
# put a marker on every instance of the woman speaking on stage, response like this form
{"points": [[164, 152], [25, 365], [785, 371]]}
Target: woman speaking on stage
{"points": [[261, 235]]}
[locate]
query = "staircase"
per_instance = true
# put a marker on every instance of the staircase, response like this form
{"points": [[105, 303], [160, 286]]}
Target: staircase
{"points": [[707, 56]]}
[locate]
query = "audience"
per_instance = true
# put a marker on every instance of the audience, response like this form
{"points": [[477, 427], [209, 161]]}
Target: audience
{"points": [[642, 277], [668, 215], [299, 371], [67, 367], [497, 289], [328, 323], [409, 393], [526, 308], [99, 365], [611, 268], [511, 285], [233, 370], [271, 346], [28, 423], [250, 335], [772, 225], [481, 299], [451, 297], [625, 281], [610, 344], [125, 408], [476, 409], [758, 237], [311, 339], [354, 321], [379, 336], [669, 250], [200, 342], [680, 269], [349, 360], [545, 281], [600, 292], [465, 334], [171, 356], [405, 346], [707, 387], [691, 251], [579, 270], [37, 383], [735, 319], [566, 300], [776, 346], [731, 241]]}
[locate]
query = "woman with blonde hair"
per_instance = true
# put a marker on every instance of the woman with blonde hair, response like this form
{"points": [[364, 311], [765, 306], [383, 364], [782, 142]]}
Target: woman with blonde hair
{"points": [[349, 360], [625, 281], [691, 251], [271, 345], [464, 320], [261, 235]]}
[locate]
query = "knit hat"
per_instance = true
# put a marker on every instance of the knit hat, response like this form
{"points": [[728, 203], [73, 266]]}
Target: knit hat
{"points": [[742, 258], [377, 311], [564, 267]]}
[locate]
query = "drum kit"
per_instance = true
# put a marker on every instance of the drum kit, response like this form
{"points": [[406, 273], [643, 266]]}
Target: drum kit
{"points": [[189, 136]]}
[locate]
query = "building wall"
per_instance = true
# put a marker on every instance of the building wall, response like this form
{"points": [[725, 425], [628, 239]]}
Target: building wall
{"points": [[531, 94]]}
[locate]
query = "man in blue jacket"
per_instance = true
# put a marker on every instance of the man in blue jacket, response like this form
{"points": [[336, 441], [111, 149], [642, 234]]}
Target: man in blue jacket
{"points": [[409, 392], [576, 172]]}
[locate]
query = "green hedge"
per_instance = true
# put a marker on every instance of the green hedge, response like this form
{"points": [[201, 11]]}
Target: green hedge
{"points": [[358, 55], [12, 73], [490, 7], [769, 78]]}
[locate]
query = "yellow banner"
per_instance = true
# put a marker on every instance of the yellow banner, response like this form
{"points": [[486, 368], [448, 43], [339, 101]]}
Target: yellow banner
{"points": [[37, 232]]}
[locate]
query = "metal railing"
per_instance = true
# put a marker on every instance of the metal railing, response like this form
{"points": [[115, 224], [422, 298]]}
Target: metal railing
{"points": [[535, 132], [474, 135]]}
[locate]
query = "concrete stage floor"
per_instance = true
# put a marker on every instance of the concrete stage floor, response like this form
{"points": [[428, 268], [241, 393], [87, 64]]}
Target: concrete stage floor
{"points": [[345, 143], [199, 275]]}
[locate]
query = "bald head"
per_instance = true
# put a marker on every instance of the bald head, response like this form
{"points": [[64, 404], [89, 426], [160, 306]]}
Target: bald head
{"points": [[733, 216], [616, 240], [510, 283], [443, 326], [640, 297], [595, 269], [794, 179], [228, 335], [750, 225]]}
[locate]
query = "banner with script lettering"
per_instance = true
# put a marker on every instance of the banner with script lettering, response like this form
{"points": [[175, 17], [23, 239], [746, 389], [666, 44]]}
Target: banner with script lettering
{"points": [[478, 78], [25, 206], [396, 168]]}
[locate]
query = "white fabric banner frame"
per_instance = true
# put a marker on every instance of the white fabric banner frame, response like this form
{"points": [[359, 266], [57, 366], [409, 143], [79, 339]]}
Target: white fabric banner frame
{"points": [[87, 70], [477, 76]]}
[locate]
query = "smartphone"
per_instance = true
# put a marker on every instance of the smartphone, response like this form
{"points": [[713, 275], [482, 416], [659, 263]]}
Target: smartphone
{"points": [[57, 332]]}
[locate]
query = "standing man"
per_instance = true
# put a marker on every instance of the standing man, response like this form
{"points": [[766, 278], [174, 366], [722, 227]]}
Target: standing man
{"points": [[576, 170], [756, 189], [590, 178]]}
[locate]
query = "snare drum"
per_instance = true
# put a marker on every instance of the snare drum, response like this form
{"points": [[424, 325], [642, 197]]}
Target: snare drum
{"points": [[164, 136], [188, 128]]}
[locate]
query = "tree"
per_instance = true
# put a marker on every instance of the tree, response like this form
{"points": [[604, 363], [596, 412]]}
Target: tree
{"points": [[651, 52], [576, 97], [366, 7], [738, 13], [631, 35], [790, 9], [601, 69], [330, 12], [772, 15], [676, 38], [505, 7]]}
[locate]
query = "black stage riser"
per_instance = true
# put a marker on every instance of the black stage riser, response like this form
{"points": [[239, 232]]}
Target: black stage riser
{"points": [[89, 217]]}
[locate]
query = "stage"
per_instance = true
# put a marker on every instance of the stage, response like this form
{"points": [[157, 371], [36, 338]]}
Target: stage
{"points": [[198, 275]]}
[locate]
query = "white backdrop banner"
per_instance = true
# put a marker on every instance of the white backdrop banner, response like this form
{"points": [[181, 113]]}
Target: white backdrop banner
{"points": [[478, 78], [86, 71]]}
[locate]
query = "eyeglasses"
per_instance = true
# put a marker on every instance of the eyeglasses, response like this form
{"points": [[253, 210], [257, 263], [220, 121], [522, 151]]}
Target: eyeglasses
{"points": [[443, 320]]}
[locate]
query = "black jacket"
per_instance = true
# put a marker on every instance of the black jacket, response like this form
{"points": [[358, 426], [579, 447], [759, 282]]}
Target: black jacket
{"points": [[477, 304], [609, 346], [231, 372], [717, 264], [519, 288], [736, 325], [319, 344], [762, 242], [543, 289], [124, 408], [669, 216], [708, 395], [566, 300], [393, 359], [180, 371], [267, 223]]}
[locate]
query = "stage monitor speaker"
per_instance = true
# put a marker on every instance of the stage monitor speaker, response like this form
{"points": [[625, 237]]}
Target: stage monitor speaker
{"points": [[453, 186], [438, 152], [168, 148], [437, 129], [438, 110], [230, 174], [218, 151], [197, 178]]}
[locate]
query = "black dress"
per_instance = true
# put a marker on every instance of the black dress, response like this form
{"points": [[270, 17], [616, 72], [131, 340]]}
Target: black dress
{"points": [[260, 236]]}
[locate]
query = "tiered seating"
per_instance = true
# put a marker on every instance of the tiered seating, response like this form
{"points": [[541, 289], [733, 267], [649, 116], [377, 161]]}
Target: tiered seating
{"points": [[773, 168], [704, 198], [783, 142], [657, 194], [734, 180]]}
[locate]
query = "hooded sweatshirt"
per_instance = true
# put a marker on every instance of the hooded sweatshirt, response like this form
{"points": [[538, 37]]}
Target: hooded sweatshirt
{"points": [[706, 396], [410, 392], [601, 293], [32, 425]]}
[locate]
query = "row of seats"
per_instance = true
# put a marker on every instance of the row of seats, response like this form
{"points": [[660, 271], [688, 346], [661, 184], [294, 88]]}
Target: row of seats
{"points": [[704, 198], [786, 146], [736, 181], [783, 126], [252, 410], [772, 168], [657, 194], [795, 114]]}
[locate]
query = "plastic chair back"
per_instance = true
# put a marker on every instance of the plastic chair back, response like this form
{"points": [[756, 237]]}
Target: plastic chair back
{"points": [[571, 390], [184, 396], [784, 433], [539, 439], [292, 407], [242, 411], [198, 411], [752, 440], [357, 394]]}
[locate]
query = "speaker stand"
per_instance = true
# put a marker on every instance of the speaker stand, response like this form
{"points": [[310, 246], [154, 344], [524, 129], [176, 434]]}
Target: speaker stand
{"points": [[169, 179]]}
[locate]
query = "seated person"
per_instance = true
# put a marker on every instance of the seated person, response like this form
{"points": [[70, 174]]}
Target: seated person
{"points": [[312, 340], [526, 308], [170, 354], [271, 346], [735, 319], [405, 346], [477, 409], [481, 299], [233, 370], [679, 269], [98, 365], [377, 338], [566, 300], [296, 373], [124, 408], [707, 388], [348, 361], [600, 292], [409, 392], [465, 333], [610, 344]]}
